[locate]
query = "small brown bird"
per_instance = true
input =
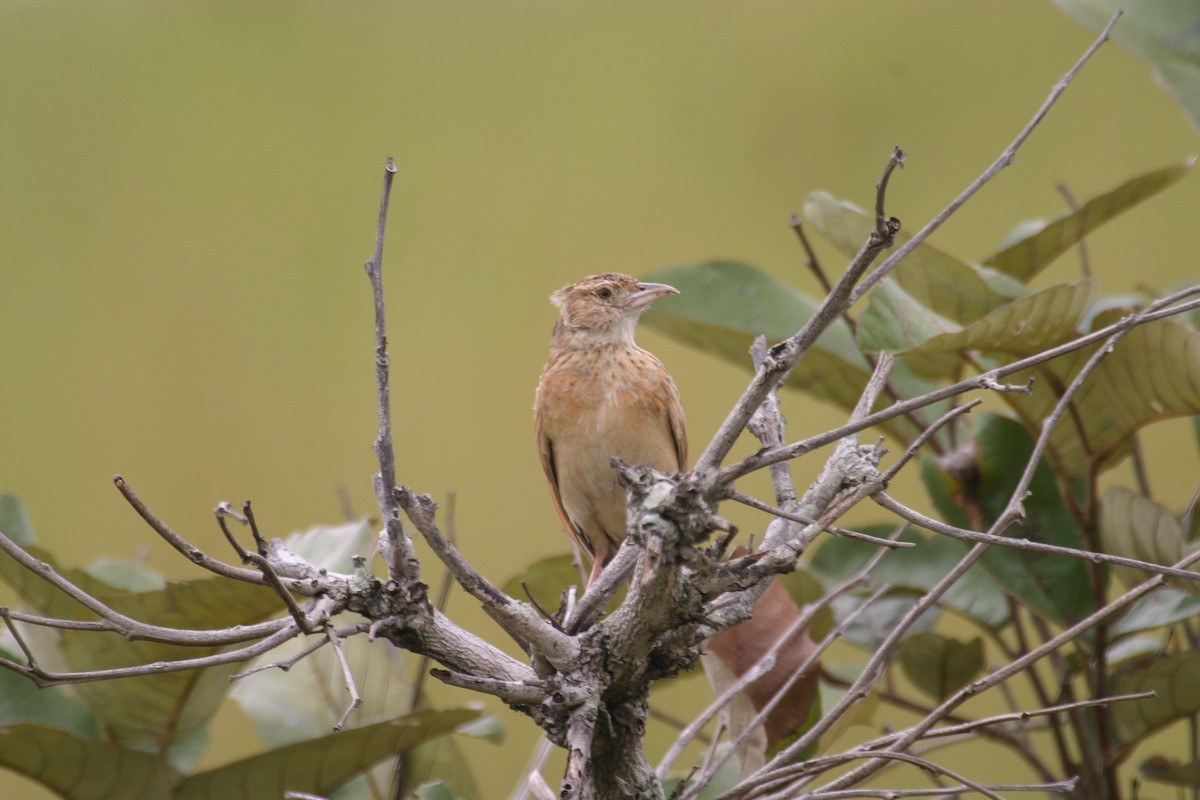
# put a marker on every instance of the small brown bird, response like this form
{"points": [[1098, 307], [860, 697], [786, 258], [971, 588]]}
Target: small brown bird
{"points": [[602, 396]]}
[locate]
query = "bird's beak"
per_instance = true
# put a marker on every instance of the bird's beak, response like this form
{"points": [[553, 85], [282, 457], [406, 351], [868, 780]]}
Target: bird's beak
{"points": [[647, 293]]}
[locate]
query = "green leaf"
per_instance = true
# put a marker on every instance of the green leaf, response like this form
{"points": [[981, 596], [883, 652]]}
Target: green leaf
{"points": [[436, 790], [84, 769], [947, 286], [1027, 257], [121, 573], [723, 305], [971, 488], [726, 778], [154, 711], [896, 322], [546, 580], [14, 520], [1161, 34], [320, 765], [1136, 527], [1030, 325], [872, 626], [804, 588], [1152, 374], [306, 701], [1173, 679], [940, 666], [22, 701], [1159, 608], [1163, 770], [976, 595]]}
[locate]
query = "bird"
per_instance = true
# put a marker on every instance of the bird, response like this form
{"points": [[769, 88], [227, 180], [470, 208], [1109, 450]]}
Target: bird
{"points": [[600, 396]]}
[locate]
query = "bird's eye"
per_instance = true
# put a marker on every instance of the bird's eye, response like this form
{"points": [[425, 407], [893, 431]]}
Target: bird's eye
{"points": [[604, 293]]}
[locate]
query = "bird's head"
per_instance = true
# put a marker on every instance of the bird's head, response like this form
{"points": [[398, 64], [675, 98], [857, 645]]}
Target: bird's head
{"points": [[606, 306]]}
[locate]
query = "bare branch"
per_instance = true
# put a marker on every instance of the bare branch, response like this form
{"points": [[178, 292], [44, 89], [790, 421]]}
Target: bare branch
{"points": [[785, 355], [512, 692], [351, 687], [764, 458], [127, 626], [518, 619], [190, 551], [803, 520], [917, 518], [1000, 163], [397, 550]]}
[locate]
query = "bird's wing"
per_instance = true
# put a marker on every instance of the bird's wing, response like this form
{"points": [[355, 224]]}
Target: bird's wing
{"points": [[678, 427], [546, 450]]}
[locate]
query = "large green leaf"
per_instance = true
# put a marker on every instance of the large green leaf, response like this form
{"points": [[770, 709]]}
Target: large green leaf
{"points": [[22, 701], [723, 305], [154, 711], [971, 489], [1025, 258], [323, 764], [1136, 527], [939, 665], [306, 701], [1177, 695], [933, 345], [948, 286], [1163, 606], [1161, 33], [976, 595], [1152, 374], [84, 769]]}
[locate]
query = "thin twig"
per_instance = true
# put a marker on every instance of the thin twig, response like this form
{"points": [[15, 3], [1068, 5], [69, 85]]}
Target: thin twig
{"points": [[917, 518], [127, 626], [764, 458], [785, 355], [809, 663], [1085, 265], [752, 502], [999, 164], [401, 561], [351, 686], [190, 551], [810, 255]]}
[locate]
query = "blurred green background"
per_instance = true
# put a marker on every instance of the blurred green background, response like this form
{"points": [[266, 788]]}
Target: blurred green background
{"points": [[188, 192]]}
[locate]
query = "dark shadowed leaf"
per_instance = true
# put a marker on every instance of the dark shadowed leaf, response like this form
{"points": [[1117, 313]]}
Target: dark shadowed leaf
{"points": [[320, 765], [1163, 770], [947, 286], [971, 488], [84, 769], [976, 595], [1025, 258], [940, 666]]}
